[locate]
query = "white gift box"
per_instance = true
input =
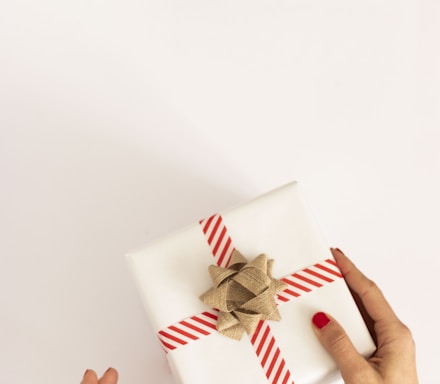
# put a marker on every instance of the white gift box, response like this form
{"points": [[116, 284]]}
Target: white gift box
{"points": [[172, 273]]}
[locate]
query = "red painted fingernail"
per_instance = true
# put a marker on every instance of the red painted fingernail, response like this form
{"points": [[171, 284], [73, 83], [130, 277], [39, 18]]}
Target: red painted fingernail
{"points": [[340, 251], [320, 320]]}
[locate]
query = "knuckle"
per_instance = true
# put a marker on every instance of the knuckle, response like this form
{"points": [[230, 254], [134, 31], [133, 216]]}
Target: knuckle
{"points": [[337, 341], [406, 335], [371, 286], [401, 335]]}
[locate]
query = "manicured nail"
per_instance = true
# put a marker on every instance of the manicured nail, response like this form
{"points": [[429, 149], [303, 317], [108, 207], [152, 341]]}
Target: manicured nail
{"points": [[85, 373], [320, 320], [108, 369], [340, 251]]}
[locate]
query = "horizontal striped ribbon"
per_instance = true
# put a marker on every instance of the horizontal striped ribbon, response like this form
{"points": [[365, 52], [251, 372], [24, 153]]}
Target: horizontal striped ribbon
{"points": [[263, 341]]}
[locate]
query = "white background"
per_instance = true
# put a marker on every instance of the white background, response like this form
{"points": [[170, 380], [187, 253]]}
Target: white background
{"points": [[121, 121]]}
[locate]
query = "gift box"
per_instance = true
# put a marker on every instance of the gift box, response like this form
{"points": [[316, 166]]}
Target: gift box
{"points": [[173, 273]]}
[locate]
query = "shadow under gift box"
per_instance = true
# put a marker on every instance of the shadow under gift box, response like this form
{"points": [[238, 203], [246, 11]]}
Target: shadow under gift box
{"points": [[172, 273]]}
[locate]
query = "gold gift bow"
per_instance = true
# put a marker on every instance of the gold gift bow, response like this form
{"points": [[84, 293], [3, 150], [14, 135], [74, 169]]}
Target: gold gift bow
{"points": [[244, 293]]}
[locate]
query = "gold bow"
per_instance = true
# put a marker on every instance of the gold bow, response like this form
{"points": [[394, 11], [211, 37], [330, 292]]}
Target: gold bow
{"points": [[244, 294]]}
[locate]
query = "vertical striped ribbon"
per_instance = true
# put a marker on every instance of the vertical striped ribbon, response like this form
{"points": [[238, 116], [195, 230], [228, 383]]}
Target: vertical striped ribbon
{"points": [[263, 341]]}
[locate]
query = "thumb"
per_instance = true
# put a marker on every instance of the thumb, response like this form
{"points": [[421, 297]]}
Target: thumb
{"points": [[334, 339]]}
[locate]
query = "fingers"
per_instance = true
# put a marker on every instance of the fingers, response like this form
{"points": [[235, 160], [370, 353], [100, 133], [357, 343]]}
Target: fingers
{"points": [[370, 295], [110, 377], [354, 368]]}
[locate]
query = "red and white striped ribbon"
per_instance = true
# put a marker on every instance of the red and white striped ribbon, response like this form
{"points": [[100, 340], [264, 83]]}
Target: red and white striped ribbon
{"points": [[269, 355], [309, 279], [188, 330], [218, 239], [263, 341], [265, 347]]}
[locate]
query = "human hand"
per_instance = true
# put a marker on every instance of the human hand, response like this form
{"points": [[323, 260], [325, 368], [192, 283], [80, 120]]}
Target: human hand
{"points": [[394, 361], [110, 377]]}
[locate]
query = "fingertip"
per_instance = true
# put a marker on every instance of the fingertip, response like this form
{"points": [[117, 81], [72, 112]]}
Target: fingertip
{"points": [[112, 371], [337, 253], [344, 263], [320, 320], [110, 376], [89, 377]]}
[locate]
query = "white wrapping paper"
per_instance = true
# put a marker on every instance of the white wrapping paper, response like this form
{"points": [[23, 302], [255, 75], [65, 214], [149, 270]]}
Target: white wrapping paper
{"points": [[172, 273]]}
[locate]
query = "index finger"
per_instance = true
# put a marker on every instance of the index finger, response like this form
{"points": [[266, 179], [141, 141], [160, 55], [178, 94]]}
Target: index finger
{"points": [[371, 296]]}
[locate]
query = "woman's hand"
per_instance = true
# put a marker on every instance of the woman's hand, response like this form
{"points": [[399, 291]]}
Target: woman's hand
{"points": [[394, 360], [110, 377]]}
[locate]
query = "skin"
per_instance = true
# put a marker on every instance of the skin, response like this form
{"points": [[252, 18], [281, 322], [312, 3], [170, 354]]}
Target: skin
{"points": [[110, 377], [393, 362]]}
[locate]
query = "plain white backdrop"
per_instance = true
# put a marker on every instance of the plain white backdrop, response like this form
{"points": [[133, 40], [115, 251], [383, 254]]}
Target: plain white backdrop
{"points": [[121, 121]]}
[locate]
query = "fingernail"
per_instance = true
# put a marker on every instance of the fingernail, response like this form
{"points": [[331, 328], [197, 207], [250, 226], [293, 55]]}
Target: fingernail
{"points": [[85, 373], [320, 320], [340, 251], [108, 369]]}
